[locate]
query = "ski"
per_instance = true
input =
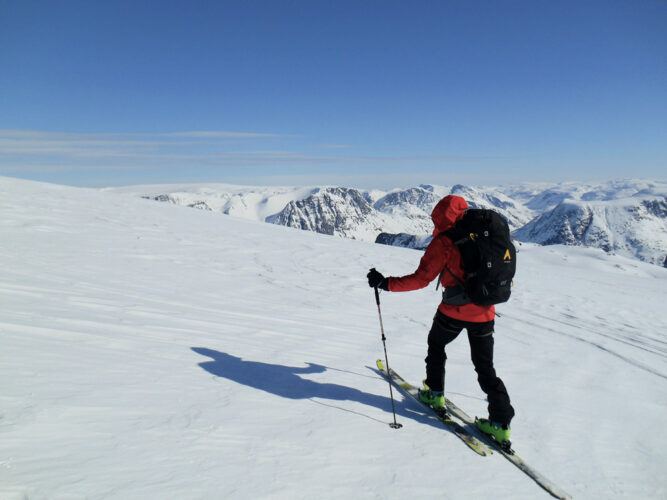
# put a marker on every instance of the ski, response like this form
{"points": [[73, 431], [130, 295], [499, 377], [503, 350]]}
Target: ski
{"points": [[475, 444], [479, 439], [508, 453]]}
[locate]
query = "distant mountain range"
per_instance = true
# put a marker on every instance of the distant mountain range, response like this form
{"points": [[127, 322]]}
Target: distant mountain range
{"points": [[624, 217]]}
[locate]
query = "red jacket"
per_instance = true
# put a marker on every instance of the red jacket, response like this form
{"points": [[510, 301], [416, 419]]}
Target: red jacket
{"points": [[439, 252]]}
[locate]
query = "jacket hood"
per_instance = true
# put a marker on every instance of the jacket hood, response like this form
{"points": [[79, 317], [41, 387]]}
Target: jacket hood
{"points": [[448, 210]]}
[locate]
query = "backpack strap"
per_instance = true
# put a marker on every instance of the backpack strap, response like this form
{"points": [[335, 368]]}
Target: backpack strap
{"points": [[437, 285], [458, 280], [455, 243]]}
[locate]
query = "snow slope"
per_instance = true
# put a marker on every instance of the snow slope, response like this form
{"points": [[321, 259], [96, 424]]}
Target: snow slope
{"points": [[152, 351], [246, 202]]}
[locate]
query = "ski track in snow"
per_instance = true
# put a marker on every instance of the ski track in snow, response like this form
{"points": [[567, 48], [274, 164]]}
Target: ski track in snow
{"points": [[153, 351], [608, 350]]}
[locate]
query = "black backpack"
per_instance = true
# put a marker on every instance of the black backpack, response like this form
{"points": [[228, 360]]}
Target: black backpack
{"points": [[489, 259]]}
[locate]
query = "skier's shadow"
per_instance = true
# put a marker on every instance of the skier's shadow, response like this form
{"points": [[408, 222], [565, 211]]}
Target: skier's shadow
{"points": [[286, 382]]}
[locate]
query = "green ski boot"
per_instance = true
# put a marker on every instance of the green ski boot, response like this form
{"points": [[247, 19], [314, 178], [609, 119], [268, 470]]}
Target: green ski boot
{"points": [[501, 433], [434, 398]]}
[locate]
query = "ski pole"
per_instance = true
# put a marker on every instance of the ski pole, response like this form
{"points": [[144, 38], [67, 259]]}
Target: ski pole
{"points": [[393, 425]]}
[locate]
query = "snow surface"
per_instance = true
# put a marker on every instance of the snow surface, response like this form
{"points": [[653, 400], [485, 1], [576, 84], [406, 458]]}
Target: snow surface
{"points": [[246, 202], [152, 351]]}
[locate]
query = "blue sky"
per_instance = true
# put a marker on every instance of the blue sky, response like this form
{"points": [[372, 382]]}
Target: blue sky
{"points": [[361, 93]]}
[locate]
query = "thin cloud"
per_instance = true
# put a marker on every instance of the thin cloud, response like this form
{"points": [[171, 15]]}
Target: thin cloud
{"points": [[19, 133], [22, 143], [206, 134], [42, 151], [336, 146]]}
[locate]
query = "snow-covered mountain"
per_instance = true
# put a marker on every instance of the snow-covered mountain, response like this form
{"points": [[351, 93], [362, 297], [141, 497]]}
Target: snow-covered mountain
{"points": [[246, 202], [634, 227], [516, 214], [154, 351], [340, 211], [404, 240], [542, 197], [630, 217]]}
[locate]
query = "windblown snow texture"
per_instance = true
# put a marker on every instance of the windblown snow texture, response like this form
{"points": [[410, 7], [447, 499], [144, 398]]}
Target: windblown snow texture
{"points": [[154, 351]]}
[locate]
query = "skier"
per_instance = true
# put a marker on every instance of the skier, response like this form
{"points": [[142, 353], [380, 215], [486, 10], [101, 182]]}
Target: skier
{"points": [[450, 320]]}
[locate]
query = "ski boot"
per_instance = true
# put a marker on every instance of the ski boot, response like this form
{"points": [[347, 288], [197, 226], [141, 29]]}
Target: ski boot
{"points": [[499, 433], [434, 398]]}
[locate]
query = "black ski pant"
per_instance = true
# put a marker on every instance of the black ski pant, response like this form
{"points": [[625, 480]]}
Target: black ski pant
{"points": [[480, 336]]}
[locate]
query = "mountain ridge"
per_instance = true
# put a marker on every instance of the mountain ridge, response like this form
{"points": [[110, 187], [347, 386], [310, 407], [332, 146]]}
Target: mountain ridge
{"points": [[628, 217]]}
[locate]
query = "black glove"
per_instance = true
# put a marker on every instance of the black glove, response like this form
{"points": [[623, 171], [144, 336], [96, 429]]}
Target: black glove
{"points": [[375, 279]]}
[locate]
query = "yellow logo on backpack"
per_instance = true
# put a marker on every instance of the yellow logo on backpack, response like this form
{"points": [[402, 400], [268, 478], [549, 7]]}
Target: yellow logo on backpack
{"points": [[507, 256]]}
